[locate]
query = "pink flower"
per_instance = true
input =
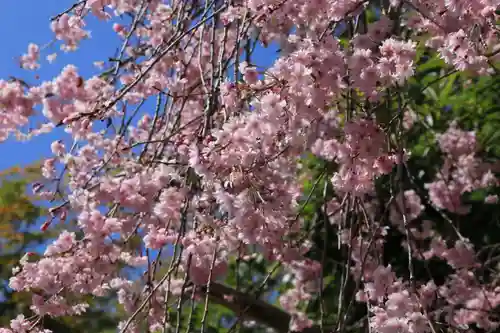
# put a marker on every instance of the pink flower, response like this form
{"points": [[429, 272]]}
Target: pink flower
{"points": [[30, 60], [491, 199], [250, 74]]}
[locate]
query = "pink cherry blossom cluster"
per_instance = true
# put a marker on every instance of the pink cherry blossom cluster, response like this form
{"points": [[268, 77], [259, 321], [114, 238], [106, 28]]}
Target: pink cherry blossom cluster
{"points": [[203, 151], [362, 157], [462, 171]]}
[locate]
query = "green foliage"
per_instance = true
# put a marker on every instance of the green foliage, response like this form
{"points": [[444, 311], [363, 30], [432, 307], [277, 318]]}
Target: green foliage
{"points": [[20, 216], [436, 96]]}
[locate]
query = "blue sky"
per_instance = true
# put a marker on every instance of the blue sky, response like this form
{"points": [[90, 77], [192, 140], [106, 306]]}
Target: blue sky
{"points": [[30, 23], [27, 22]]}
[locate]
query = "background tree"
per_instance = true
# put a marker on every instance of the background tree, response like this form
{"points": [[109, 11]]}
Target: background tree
{"points": [[18, 217], [22, 217]]}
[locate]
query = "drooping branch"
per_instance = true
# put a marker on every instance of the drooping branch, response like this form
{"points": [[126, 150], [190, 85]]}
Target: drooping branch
{"points": [[253, 308]]}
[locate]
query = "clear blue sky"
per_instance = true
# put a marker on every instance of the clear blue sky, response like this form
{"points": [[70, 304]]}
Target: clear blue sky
{"points": [[28, 21]]}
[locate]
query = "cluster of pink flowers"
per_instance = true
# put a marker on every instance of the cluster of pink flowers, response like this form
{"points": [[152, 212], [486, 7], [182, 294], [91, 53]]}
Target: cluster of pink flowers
{"points": [[305, 284], [212, 171], [461, 172], [362, 157]]}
